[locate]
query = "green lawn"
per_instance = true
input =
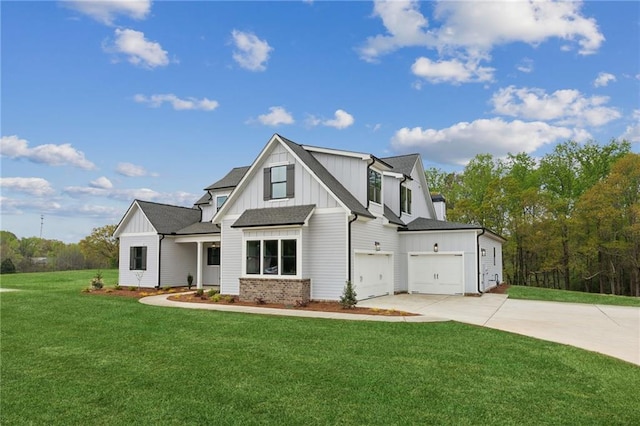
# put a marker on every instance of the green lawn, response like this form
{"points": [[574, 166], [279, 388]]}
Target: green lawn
{"points": [[537, 293], [74, 358]]}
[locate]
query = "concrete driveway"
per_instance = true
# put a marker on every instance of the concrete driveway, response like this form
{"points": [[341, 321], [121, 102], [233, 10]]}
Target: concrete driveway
{"points": [[610, 330]]}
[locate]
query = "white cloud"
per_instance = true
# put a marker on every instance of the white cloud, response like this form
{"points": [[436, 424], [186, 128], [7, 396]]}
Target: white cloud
{"points": [[453, 71], [405, 26], [525, 65], [632, 132], [147, 194], [563, 106], [342, 119], [50, 154], [461, 142], [603, 79], [138, 50], [106, 11], [101, 182], [277, 115], [19, 205], [177, 103], [35, 186], [251, 53], [132, 170]]}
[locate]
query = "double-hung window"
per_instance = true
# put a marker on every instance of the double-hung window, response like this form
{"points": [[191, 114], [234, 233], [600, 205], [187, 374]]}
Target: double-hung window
{"points": [[405, 199], [271, 257], [374, 190], [279, 182], [138, 258], [213, 256]]}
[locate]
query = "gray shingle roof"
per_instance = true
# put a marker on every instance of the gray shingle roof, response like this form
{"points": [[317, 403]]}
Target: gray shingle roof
{"points": [[274, 216], [391, 216], [402, 163], [230, 180], [199, 228], [167, 219], [204, 199], [424, 224], [328, 179]]}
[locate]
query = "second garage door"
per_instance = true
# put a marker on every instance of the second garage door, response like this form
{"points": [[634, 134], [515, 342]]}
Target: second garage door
{"points": [[373, 275], [432, 273]]}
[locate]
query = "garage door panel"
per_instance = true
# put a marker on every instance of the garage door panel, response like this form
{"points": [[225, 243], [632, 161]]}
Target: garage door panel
{"points": [[436, 273], [373, 275]]}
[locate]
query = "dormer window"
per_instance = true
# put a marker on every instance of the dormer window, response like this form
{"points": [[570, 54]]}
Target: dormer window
{"points": [[220, 199], [374, 191], [405, 199], [279, 182]]}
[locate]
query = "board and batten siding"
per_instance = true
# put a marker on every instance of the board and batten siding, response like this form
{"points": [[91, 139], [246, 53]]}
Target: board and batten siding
{"points": [[364, 236], [324, 250], [307, 189], [178, 260], [208, 211], [491, 263], [420, 206], [137, 223], [350, 172], [128, 278], [449, 241], [230, 257], [391, 187]]}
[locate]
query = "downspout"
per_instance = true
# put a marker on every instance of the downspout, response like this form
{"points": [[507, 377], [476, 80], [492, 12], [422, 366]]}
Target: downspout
{"points": [[160, 258], [355, 217], [478, 259], [373, 160]]}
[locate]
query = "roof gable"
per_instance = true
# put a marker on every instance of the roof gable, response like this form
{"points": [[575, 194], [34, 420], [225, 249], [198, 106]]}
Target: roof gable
{"points": [[403, 163], [168, 219]]}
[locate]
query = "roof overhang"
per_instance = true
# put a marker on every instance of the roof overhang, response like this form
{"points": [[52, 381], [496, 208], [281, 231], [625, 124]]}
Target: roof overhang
{"points": [[275, 217]]}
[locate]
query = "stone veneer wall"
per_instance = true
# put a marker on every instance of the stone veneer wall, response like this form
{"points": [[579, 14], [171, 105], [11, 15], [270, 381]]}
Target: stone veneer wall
{"points": [[275, 290]]}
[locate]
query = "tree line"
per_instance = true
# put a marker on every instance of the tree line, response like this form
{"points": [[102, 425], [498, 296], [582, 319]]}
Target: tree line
{"points": [[571, 218], [31, 254]]}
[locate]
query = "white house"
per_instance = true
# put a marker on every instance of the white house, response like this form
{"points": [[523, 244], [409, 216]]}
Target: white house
{"points": [[300, 222]]}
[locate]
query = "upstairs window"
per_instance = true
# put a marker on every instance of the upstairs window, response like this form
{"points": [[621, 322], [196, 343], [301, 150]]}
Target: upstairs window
{"points": [[138, 258], [220, 200], [374, 191], [405, 199], [279, 182]]}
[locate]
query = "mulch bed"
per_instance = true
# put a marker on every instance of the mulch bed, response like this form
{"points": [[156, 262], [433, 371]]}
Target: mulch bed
{"points": [[500, 289], [193, 298]]}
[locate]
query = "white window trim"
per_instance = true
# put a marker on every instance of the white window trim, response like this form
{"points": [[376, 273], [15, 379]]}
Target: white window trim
{"points": [[262, 239]]}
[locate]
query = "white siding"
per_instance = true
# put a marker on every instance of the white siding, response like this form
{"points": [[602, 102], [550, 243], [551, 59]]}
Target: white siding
{"points": [[149, 277], [491, 263], [307, 189], [230, 258], [137, 224], [324, 246], [448, 241], [178, 260], [350, 172], [421, 197], [391, 187], [364, 236], [208, 210]]}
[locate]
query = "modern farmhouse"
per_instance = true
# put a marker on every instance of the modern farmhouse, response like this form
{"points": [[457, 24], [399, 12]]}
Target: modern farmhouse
{"points": [[300, 222]]}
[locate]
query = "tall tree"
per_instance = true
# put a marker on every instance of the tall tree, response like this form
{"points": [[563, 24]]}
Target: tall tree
{"points": [[101, 248]]}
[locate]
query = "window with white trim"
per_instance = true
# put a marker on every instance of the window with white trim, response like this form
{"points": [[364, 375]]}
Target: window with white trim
{"points": [[279, 182], [220, 200], [271, 257], [374, 187], [405, 199], [138, 258]]}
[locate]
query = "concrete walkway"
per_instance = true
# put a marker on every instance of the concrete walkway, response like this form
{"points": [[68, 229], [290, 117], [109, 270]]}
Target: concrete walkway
{"points": [[610, 330]]}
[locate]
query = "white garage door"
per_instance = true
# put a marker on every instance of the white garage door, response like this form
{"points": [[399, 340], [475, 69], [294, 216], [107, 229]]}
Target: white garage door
{"points": [[436, 273], [373, 275]]}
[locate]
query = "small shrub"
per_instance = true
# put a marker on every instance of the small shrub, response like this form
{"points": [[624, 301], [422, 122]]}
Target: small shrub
{"points": [[212, 292], [86, 290], [189, 280], [7, 267], [199, 292], [216, 297], [96, 282], [108, 290], [229, 299], [132, 288], [260, 301], [348, 299], [117, 287], [302, 303]]}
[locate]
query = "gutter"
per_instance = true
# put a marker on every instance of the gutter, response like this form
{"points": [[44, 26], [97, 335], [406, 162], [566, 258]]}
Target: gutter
{"points": [[160, 258], [355, 217], [478, 259]]}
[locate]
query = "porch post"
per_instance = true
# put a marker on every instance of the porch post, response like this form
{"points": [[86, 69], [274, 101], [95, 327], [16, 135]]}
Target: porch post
{"points": [[199, 271]]}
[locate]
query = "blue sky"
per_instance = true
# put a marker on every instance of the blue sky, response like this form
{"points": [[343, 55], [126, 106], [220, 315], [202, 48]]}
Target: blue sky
{"points": [[106, 102]]}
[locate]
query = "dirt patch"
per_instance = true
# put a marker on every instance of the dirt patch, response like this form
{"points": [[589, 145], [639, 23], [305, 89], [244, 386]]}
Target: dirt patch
{"points": [[233, 300], [500, 289]]}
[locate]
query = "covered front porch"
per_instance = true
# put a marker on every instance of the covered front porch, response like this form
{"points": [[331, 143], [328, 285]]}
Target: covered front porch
{"points": [[207, 258]]}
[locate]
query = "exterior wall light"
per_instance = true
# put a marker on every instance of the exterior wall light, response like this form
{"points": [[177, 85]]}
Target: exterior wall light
{"points": [[376, 244], [483, 252], [435, 248]]}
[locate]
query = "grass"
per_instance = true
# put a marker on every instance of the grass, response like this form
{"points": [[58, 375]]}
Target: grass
{"points": [[74, 358], [538, 293]]}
